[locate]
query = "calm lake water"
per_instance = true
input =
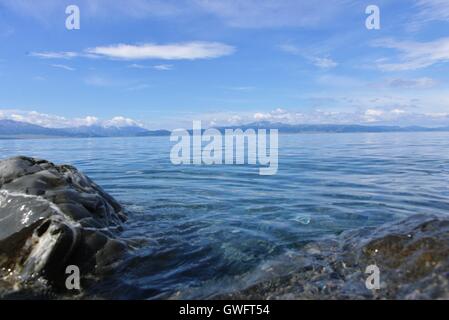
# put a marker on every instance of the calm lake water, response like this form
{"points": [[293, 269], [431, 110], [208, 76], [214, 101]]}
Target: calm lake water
{"points": [[202, 228]]}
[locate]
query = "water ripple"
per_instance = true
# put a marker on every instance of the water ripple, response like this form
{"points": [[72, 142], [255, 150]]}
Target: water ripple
{"points": [[197, 227]]}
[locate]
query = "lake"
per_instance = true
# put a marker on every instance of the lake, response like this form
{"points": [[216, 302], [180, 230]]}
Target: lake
{"points": [[201, 229]]}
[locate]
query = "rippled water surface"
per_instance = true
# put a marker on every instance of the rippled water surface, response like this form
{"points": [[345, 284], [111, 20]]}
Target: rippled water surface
{"points": [[205, 227]]}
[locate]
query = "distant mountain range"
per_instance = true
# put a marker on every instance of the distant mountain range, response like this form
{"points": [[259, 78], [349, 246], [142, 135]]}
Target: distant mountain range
{"points": [[336, 128], [10, 129]]}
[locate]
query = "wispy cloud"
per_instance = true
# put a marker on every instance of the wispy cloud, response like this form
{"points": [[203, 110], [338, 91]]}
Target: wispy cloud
{"points": [[241, 88], [413, 55], [273, 13], [163, 67], [235, 13], [54, 55], [139, 87], [432, 10], [418, 83], [63, 66], [138, 66], [323, 62], [158, 67]]}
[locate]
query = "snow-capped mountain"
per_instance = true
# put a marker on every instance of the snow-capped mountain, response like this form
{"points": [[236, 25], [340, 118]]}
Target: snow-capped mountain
{"points": [[10, 128]]}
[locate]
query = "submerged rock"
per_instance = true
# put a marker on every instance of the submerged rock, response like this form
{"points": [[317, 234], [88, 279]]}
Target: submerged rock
{"points": [[52, 217], [412, 256]]}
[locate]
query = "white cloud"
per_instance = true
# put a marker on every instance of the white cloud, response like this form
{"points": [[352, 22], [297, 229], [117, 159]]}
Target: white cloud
{"points": [[63, 66], [120, 122], [240, 88], [45, 120], [313, 58], [278, 115], [163, 67], [363, 116], [138, 87], [379, 106], [370, 116], [259, 116], [413, 55], [419, 83], [54, 121], [159, 67], [138, 66], [55, 55], [373, 113], [324, 63], [292, 49], [433, 10], [88, 121], [273, 13], [175, 51]]}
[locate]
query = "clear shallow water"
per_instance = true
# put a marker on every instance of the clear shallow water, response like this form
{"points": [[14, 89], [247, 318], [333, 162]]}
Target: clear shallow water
{"points": [[206, 227]]}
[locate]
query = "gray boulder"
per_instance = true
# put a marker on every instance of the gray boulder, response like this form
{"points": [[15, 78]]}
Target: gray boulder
{"points": [[51, 217]]}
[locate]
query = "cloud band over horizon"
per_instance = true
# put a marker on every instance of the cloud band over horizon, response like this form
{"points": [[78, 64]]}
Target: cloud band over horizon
{"points": [[370, 116]]}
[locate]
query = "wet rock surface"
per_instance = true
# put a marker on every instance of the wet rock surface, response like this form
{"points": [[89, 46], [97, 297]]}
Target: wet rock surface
{"points": [[51, 217], [412, 256]]}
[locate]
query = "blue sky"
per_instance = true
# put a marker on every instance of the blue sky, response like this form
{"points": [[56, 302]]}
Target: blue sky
{"points": [[165, 63]]}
